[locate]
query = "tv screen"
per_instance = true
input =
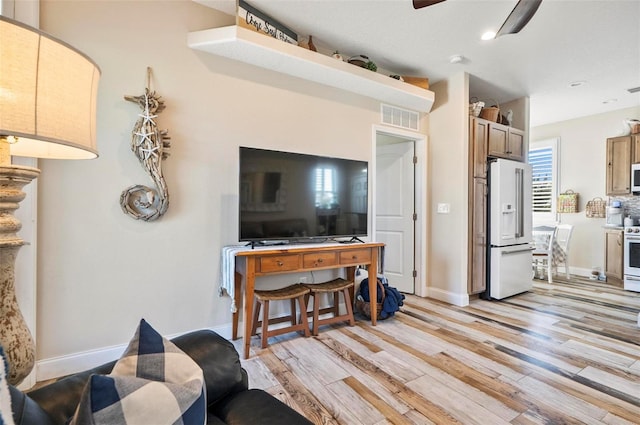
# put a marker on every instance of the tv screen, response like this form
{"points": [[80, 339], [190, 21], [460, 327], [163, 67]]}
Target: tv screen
{"points": [[290, 196]]}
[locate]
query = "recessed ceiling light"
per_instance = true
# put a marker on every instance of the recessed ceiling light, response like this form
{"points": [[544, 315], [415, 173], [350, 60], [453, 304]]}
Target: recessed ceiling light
{"points": [[610, 101], [489, 35], [577, 83]]}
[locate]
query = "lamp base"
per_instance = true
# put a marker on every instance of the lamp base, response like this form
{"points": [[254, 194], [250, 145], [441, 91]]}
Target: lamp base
{"points": [[15, 336]]}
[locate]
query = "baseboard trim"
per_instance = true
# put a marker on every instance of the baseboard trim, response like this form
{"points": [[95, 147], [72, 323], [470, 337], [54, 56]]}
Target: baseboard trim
{"points": [[56, 367], [460, 300], [77, 362], [579, 271]]}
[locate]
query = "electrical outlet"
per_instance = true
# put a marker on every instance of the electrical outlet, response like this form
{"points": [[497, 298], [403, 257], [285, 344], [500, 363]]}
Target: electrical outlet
{"points": [[303, 279]]}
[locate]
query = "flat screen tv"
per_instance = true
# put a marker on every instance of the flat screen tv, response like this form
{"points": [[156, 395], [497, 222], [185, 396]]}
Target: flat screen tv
{"points": [[287, 196]]}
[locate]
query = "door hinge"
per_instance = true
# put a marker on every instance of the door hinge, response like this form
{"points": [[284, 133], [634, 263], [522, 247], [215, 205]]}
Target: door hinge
{"points": [[415, 217], [415, 273], [415, 159]]}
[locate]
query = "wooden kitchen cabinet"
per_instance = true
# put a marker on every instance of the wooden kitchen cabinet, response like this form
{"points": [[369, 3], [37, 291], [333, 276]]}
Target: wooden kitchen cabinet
{"points": [[478, 256], [505, 142], [478, 143], [614, 254], [635, 148], [620, 151], [478, 133], [490, 139]]}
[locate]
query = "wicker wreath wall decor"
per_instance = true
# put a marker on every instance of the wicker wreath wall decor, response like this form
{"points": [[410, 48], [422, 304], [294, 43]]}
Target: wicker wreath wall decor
{"points": [[150, 145]]}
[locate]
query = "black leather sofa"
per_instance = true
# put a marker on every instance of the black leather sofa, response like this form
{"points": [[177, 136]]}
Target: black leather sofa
{"points": [[228, 397]]}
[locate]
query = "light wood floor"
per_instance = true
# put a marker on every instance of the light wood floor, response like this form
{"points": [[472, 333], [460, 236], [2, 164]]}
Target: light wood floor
{"points": [[566, 353]]}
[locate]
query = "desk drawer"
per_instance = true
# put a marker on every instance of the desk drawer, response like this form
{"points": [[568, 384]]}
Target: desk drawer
{"points": [[355, 256], [323, 259], [278, 263]]}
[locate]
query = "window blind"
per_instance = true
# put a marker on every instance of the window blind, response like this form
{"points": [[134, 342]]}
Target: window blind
{"points": [[541, 161]]}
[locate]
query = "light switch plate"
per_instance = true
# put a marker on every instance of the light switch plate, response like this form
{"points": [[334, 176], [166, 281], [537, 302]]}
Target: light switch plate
{"points": [[443, 208]]}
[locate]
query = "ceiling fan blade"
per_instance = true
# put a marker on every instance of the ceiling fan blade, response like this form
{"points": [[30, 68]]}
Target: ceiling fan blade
{"points": [[419, 4], [519, 17]]}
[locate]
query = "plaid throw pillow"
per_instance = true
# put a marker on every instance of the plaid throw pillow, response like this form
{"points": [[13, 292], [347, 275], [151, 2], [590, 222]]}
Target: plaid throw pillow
{"points": [[153, 383]]}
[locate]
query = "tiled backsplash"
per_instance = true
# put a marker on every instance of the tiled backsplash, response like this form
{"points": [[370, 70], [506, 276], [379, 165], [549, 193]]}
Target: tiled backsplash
{"points": [[630, 203]]}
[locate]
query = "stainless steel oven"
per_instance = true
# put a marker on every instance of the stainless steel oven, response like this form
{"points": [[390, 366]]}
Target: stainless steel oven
{"points": [[632, 258]]}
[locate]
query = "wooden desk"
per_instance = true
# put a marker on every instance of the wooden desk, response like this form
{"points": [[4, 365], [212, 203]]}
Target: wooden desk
{"points": [[261, 262]]}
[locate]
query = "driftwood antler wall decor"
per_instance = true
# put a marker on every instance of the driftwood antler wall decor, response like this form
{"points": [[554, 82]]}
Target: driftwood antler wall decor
{"points": [[151, 146]]}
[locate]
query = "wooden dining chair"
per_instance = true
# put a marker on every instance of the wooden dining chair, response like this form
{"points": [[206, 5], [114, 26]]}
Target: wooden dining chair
{"points": [[556, 252]]}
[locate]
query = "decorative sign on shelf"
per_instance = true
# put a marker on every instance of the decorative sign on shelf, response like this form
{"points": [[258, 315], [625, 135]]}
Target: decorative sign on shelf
{"points": [[150, 145], [256, 20]]}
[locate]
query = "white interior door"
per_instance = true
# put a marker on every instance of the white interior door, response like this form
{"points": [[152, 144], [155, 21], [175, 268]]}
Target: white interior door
{"points": [[395, 208]]}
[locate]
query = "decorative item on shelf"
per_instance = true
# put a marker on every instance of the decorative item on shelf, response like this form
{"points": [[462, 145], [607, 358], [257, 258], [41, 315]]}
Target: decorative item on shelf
{"points": [[421, 82], [509, 118], [630, 126], [491, 113], [363, 62], [312, 46], [150, 145], [396, 77], [337, 55], [475, 106], [567, 202], [371, 66], [596, 208], [47, 110], [359, 60], [256, 20]]}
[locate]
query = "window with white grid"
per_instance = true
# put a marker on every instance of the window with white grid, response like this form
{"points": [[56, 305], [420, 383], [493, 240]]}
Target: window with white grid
{"points": [[543, 157]]}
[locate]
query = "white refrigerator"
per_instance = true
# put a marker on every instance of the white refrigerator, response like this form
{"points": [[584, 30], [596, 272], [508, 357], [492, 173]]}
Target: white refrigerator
{"points": [[509, 221]]}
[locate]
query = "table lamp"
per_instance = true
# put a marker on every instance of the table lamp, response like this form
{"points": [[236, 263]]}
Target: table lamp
{"points": [[48, 94]]}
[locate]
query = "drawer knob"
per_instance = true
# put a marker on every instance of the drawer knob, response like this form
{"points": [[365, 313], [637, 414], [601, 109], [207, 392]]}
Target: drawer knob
{"points": [[354, 257], [280, 263], [320, 260]]}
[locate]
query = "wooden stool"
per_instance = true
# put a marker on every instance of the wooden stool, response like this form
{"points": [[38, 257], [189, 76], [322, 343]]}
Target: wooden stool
{"points": [[336, 286], [287, 293]]}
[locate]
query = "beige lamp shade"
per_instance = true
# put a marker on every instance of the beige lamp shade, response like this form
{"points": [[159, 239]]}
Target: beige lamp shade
{"points": [[48, 95]]}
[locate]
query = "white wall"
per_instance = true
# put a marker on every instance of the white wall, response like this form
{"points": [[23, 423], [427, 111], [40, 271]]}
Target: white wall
{"points": [[583, 169], [448, 183], [100, 271]]}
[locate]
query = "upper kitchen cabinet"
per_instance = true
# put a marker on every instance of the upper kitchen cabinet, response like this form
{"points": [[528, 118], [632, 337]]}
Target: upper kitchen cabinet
{"points": [[635, 148], [621, 153], [505, 142], [478, 133]]}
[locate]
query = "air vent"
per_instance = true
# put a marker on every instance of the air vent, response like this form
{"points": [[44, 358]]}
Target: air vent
{"points": [[634, 90], [399, 117]]}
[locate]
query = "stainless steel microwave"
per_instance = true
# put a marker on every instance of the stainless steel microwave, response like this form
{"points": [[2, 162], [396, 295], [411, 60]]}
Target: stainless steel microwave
{"points": [[635, 178]]}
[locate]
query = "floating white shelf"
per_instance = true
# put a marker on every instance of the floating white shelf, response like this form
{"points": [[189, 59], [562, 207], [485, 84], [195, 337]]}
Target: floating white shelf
{"points": [[247, 46]]}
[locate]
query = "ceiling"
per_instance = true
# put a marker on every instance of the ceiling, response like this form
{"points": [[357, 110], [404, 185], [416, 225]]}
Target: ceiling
{"points": [[593, 41]]}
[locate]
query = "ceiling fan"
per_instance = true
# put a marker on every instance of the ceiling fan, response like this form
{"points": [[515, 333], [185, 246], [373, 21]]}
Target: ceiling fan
{"points": [[517, 19]]}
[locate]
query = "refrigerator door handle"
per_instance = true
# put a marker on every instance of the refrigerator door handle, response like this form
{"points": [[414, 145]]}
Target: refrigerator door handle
{"points": [[519, 251], [519, 202]]}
